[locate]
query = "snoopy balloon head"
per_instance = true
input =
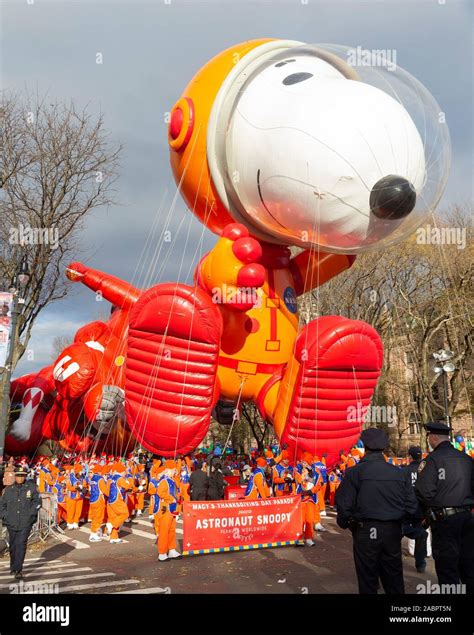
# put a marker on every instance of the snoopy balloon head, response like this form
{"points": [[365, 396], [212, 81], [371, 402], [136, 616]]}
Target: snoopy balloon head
{"points": [[305, 148]]}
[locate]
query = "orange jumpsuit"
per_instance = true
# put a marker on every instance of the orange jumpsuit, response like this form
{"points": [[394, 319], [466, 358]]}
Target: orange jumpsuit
{"points": [[334, 482], [257, 486], [74, 499], [310, 508], [58, 489], [117, 510], [184, 471], [46, 479], [319, 465], [154, 501], [155, 470], [99, 489], [165, 518], [281, 486], [132, 493], [141, 482]]}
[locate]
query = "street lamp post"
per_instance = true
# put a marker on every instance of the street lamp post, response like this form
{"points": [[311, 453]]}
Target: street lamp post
{"points": [[22, 277], [443, 367]]}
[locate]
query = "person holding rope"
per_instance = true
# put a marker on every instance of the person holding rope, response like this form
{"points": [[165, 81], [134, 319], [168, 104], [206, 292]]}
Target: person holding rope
{"points": [[309, 483], [156, 474], [167, 493], [99, 490], [74, 496], [257, 486], [141, 484], [283, 476], [117, 510]]}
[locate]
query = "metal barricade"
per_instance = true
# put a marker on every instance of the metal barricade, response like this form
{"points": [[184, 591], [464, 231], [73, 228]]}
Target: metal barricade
{"points": [[47, 522]]}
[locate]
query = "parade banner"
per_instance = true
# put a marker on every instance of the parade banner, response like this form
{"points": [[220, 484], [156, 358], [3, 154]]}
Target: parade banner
{"points": [[6, 300], [239, 525]]}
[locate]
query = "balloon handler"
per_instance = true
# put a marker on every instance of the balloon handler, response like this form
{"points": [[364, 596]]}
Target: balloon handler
{"points": [[168, 495], [309, 484], [117, 510], [274, 145]]}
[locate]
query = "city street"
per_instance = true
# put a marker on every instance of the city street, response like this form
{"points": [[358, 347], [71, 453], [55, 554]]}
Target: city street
{"points": [[77, 566]]}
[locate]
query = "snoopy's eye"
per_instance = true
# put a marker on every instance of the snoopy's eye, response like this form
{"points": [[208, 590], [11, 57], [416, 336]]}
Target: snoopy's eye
{"points": [[296, 77], [283, 63]]}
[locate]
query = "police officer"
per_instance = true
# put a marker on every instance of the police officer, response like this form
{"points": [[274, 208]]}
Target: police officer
{"points": [[445, 487], [19, 506], [372, 500], [413, 528]]}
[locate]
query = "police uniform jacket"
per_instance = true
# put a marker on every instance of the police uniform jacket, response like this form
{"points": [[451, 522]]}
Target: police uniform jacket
{"points": [[446, 478], [19, 505], [412, 471], [374, 490]]}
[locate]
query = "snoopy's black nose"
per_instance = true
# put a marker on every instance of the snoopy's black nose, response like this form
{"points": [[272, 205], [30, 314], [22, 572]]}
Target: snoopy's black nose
{"points": [[392, 197]]}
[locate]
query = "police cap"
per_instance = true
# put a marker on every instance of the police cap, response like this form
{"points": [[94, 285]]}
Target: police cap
{"points": [[415, 452], [21, 471], [374, 439], [437, 428]]}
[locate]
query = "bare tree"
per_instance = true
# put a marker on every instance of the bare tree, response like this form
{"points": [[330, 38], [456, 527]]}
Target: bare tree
{"points": [[58, 166], [59, 344], [419, 297], [259, 428]]}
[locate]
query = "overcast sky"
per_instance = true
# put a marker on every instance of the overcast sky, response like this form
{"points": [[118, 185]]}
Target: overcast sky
{"points": [[150, 52]]}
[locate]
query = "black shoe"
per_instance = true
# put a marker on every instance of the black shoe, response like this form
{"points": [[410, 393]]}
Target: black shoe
{"points": [[12, 572], [18, 575], [421, 568]]}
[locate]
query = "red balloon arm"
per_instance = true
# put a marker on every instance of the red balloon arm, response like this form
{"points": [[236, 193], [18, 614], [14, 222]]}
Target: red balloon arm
{"points": [[120, 293]]}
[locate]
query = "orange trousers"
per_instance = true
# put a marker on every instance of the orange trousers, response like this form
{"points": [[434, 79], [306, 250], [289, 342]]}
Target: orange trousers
{"points": [[73, 510], [140, 501], [78, 510], [184, 488], [131, 503], [332, 493], [156, 523], [117, 513], [309, 518], [322, 498], [165, 526], [62, 512], [97, 515]]}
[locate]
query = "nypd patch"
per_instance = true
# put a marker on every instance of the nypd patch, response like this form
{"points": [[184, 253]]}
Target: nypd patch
{"points": [[421, 467]]}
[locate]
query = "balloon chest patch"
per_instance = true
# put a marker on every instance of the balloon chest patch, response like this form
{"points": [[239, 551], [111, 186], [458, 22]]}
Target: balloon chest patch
{"points": [[289, 298]]}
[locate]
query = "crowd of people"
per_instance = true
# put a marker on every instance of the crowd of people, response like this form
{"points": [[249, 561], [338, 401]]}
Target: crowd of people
{"points": [[108, 491]]}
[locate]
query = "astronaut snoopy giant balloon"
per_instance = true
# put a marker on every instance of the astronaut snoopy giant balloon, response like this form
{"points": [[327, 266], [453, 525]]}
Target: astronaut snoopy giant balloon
{"points": [[273, 144]]}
